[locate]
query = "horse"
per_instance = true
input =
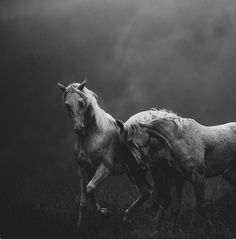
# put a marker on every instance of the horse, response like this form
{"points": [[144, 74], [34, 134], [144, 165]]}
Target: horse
{"points": [[99, 149], [184, 149]]}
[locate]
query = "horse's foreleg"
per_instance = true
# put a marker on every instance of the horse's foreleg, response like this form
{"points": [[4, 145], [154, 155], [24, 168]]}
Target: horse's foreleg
{"points": [[92, 196], [101, 173], [160, 179], [83, 196], [199, 188], [96, 205], [144, 190], [178, 183], [162, 184]]}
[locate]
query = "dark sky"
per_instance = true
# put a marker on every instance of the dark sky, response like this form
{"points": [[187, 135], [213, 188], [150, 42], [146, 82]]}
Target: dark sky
{"points": [[176, 54]]}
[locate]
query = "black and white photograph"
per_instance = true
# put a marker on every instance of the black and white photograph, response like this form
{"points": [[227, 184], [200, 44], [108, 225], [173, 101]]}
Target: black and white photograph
{"points": [[118, 119]]}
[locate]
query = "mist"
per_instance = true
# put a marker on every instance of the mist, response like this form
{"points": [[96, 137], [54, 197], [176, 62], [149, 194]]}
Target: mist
{"points": [[174, 54]]}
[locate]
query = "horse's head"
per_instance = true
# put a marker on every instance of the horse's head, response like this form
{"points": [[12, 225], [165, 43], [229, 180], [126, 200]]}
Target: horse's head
{"points": [[75, 102], [138, 142]]}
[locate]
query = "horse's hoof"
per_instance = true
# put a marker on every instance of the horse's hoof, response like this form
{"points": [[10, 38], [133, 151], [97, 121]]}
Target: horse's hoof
{"points": [[78, 226], [104, 211], [125, 219]]}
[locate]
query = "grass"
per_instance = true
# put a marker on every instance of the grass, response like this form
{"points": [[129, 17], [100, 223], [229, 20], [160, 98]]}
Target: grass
{"points": [[48, 211]]}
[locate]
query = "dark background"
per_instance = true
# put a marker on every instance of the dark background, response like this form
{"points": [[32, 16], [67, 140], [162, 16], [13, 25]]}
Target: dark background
{"points": [[174, 54]]}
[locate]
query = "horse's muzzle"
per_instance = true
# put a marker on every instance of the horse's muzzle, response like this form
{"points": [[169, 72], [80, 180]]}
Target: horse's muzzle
{"points": [[79, 131]]}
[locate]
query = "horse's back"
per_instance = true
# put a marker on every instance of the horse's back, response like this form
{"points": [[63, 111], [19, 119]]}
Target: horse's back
{"points": [[212, 146], [224, 133]]}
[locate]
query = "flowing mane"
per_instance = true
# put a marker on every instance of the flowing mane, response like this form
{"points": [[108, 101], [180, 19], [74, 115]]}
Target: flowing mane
{"points": [[103, 119], [134, 123]]}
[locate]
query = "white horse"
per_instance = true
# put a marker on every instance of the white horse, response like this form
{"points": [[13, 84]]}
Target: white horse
{"points": [[99, 150], [190, 150]]}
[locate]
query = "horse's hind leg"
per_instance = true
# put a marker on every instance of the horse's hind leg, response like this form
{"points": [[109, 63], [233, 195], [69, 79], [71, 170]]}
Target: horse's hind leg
{"points": [[230, 175]]}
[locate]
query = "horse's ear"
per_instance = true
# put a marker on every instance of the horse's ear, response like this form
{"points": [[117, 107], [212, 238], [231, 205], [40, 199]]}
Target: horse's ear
{"points": [[82, 85], [62, 87], [120, 124]]}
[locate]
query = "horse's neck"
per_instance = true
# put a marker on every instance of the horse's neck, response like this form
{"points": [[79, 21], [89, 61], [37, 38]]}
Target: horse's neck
{"points": [[95, 121], [86, 141], [91, 124], [95, 139], [167, 127]]}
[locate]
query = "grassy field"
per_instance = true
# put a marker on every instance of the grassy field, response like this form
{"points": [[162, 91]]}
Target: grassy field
{"points": [[46, 210]]}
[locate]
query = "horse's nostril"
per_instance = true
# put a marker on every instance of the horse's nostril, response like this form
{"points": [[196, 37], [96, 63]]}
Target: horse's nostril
{"points": [[76, 130], [130, 142], [79, 130]]}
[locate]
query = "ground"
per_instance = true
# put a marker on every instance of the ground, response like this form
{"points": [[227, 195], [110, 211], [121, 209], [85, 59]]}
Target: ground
{"points": [[47, 211]]}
